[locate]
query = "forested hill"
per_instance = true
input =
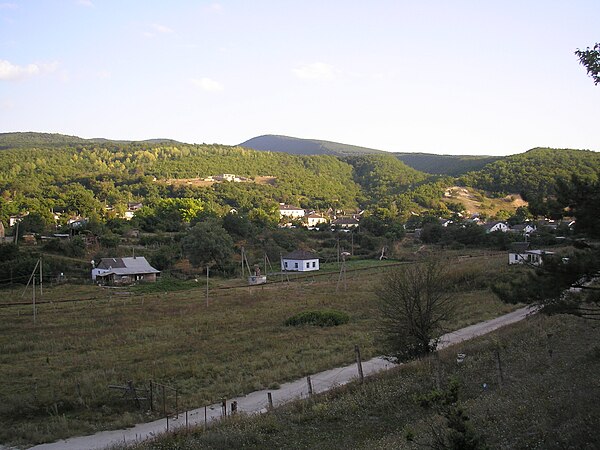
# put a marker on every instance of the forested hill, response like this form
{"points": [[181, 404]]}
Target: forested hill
{"points": [[40, 172], [452, 165], [535, 173], [297, 146], [32, 139]]}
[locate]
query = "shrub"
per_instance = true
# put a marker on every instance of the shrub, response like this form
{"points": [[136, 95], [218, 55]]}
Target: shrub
{"points": [[325, 318]]}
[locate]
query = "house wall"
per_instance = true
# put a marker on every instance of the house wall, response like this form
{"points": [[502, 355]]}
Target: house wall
{"points": [[300, 265]]}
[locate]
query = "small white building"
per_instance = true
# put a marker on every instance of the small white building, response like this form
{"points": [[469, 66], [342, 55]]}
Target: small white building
{"points": [[531, 257], [290, 211], [491, 227], [313, 220], [300, 261], [345, 223]]}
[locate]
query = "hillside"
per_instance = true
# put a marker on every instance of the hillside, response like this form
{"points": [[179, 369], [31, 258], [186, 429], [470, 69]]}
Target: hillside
{"points": [[535, 173], [297, 146], [32, 139], [452, 165]]}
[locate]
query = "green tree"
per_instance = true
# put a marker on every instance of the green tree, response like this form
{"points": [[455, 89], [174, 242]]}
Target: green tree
{"points": [[414, 303], [590, 59], [207, 243], [548, 286]]}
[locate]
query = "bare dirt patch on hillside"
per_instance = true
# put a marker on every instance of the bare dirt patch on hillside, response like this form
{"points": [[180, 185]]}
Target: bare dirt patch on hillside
{"points": [[476, 201]]}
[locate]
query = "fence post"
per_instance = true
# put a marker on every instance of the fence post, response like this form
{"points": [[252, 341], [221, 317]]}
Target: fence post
{"points": [[359, 364], [270, 398], [310, 388], [176, 404], [224, 407], [499, 367], [164, 400], [151, 397]]}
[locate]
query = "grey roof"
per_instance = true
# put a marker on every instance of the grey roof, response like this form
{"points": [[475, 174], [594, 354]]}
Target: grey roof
{"points": [[127, 266], [519, 247], [300, 254]]}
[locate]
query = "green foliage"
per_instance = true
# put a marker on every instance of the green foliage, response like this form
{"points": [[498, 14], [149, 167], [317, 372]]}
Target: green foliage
{"points": [[590, 59], [207, 243], [323, 318], [534, 174], [546, 285], [452, 165]]}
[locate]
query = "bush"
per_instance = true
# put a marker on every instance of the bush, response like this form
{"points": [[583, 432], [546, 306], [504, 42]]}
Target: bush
{"points": [[325, 318]]}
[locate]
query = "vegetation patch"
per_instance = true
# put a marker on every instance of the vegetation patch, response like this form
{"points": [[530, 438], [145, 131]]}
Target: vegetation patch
{"points": [[324, 318]]}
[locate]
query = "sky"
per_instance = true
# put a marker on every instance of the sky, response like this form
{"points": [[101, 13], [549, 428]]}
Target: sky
{"points": [[450, 77]]}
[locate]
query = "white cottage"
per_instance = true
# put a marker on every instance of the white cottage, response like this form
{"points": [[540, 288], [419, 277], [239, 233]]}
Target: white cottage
{"points": [[531, 257], [300, 261], [290, 211]]}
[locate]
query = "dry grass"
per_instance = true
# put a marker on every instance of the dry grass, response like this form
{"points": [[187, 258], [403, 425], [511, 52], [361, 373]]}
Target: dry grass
{"points": [[547, 399], [56, 372]]}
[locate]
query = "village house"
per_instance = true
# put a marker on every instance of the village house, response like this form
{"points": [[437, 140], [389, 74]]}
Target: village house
{"points": [[131, 209], [124, 271], [345, 223], [300, 261], [491, 227], [13, 220], [290, 211], [313, 220], [523, 228], [520, 254]]}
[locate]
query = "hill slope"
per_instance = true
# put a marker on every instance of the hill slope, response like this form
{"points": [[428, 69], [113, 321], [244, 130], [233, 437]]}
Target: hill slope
{"points": [[535, 172], [297, 146], [453, 165], [33, 139]]}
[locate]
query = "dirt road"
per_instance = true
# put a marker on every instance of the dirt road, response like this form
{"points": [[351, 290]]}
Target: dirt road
{"points": [[257, 402]]}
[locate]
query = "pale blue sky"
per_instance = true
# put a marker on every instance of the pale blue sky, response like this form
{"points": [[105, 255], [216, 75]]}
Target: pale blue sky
{"points": [[456, 77]]}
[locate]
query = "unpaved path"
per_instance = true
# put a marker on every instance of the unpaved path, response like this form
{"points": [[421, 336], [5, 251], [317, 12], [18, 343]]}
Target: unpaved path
{"points": [[257, 402]]}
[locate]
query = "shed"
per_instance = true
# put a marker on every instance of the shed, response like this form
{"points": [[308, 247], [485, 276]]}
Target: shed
{"points": [[300, 261]]}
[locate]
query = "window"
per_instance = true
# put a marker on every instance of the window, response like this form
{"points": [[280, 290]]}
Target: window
{"points": [[307, 265], [295, 265], [314, 264], [285, 264]]}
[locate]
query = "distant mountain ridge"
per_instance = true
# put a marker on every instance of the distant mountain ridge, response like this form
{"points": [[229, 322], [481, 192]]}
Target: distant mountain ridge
{"points": [[30, 138], [298, 146], [452, 165]]}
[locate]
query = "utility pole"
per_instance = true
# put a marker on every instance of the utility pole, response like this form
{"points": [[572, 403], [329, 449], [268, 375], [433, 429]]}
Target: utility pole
{"points": [[33, 300], [41, 279], [207, 286]]}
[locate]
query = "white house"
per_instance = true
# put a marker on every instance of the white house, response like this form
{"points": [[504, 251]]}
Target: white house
{"points": [[314, 219], [523, 228], [345, 223], [290, 211], [131, 209], [532, 257], [300, 261], [490, 227], [124, 270]]}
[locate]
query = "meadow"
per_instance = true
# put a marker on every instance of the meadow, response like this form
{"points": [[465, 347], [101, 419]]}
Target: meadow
{"points": [[542, 396], [57, 370]]}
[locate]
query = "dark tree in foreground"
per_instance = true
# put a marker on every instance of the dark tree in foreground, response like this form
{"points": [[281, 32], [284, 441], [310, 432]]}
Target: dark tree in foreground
{"points": [[414, 303], [590, 59]]}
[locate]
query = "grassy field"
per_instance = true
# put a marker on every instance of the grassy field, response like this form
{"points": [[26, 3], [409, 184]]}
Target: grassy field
{"points": [[546, 398], [56, 372]]}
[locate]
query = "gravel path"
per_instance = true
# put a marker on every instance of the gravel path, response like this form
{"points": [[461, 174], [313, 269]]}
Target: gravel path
{"points": [[257, 402]]}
